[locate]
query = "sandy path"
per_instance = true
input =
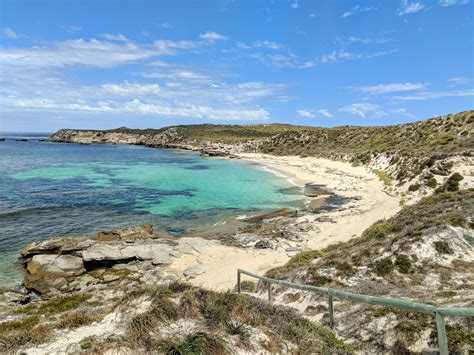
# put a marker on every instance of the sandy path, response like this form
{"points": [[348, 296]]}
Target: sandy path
{"points": [[369, 204]]}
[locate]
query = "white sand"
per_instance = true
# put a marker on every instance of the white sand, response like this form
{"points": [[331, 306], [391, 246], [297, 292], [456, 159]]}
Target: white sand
{"points": [[220, 262]]}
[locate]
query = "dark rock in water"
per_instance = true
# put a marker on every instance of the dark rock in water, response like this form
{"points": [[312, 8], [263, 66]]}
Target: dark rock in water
{"points": [[317, 202], [284, 212], [197, 167], [313, 190], [263, 244], [2, 139], [294, 190], [42, 140], [21, 140]]}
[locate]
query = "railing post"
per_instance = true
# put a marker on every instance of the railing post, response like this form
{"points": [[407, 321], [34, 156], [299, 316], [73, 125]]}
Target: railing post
{"points": [[331, 311], [442, 339], [270, 296], [238, 282]]}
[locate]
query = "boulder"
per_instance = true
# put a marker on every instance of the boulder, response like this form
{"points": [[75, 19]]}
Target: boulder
{"points": [[263, 244], [43, 284], [193, 271], [63, 265]]}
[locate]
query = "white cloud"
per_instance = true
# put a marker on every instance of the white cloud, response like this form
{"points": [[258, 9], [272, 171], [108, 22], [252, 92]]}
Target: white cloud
{"points": [[312, 113], [212, 36], [112, 37], [365, 110], [306, 113], [260, 44], [357, 9], [325, 112], [128, 89], [360, 109], [446, 3], [73, 29], [408, 7], [365, 39], [7, 32], [287, 60], [460, 80], [312, 15], [294, 4], [90, 53], [166, 25], [430, 95], [342, 55], [381, 89]]}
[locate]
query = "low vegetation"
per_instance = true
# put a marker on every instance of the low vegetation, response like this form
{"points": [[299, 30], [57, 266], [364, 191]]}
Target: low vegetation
{"points": [[216, 323], [399, 257]]}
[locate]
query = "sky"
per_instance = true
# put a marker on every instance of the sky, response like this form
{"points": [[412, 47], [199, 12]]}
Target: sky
{"points": [[106, 64]]}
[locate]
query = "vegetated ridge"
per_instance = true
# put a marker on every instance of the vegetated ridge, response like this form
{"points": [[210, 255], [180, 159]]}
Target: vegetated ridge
{"points": [[425, 254], [413, 155]]}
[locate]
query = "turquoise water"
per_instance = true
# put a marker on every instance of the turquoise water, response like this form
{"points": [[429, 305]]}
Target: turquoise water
{"points": [[50, 189]]}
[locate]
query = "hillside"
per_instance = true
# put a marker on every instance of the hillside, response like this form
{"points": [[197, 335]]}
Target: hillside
{"points": [[418, 154], [425, 253]]}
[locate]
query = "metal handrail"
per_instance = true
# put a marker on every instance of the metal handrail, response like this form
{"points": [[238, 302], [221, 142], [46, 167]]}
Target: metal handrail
{"points": [[439, 313]]}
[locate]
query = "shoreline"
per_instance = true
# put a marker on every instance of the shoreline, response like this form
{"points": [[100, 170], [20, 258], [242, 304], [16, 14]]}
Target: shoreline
{"points": [[367, 203]]}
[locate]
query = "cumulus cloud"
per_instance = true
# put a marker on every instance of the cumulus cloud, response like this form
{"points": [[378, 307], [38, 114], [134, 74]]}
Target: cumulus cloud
{"points": [[212, 36], [306, 113], [312, 113], [360, 109]]}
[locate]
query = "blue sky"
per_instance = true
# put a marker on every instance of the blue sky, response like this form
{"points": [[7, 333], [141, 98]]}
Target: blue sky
{"points": [[105, 64]]}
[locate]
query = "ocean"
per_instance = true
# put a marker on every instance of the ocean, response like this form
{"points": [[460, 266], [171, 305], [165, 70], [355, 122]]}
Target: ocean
{"points": [[55, 189]]}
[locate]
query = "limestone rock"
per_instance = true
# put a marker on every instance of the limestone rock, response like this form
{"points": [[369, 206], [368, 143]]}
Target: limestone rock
{"points": [[56, 264], [194, 271], [263, 244], [284, 212]]}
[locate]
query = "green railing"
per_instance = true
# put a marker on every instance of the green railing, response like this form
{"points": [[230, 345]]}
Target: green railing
{"points": [[439, 313]]}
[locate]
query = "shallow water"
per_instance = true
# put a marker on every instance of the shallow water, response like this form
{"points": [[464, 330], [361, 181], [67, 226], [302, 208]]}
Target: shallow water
{"points": [[51, 189]]}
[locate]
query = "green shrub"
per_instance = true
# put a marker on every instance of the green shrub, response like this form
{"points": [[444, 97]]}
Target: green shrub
{"points": [[459, 339], [452, 184], [197, 343], [248, 286], [378, 230], [384, 266], [414, 187], [431, 182], [442, 247], [345, 269], [403, 263], [86, 345]]}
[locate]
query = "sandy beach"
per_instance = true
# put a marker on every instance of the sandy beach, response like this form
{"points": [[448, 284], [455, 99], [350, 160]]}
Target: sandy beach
{"points": [[216, 264]]}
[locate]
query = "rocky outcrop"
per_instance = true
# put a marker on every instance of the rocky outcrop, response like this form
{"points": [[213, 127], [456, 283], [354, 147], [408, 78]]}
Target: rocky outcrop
{"points": [[69, 263], [284, 212]]}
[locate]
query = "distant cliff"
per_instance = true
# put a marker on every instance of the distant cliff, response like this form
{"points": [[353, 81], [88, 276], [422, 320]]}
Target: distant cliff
{"points": [[412, 155]]}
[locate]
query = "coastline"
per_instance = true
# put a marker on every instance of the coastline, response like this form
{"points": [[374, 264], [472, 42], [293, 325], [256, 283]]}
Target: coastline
{"points": [[367, 203]]}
